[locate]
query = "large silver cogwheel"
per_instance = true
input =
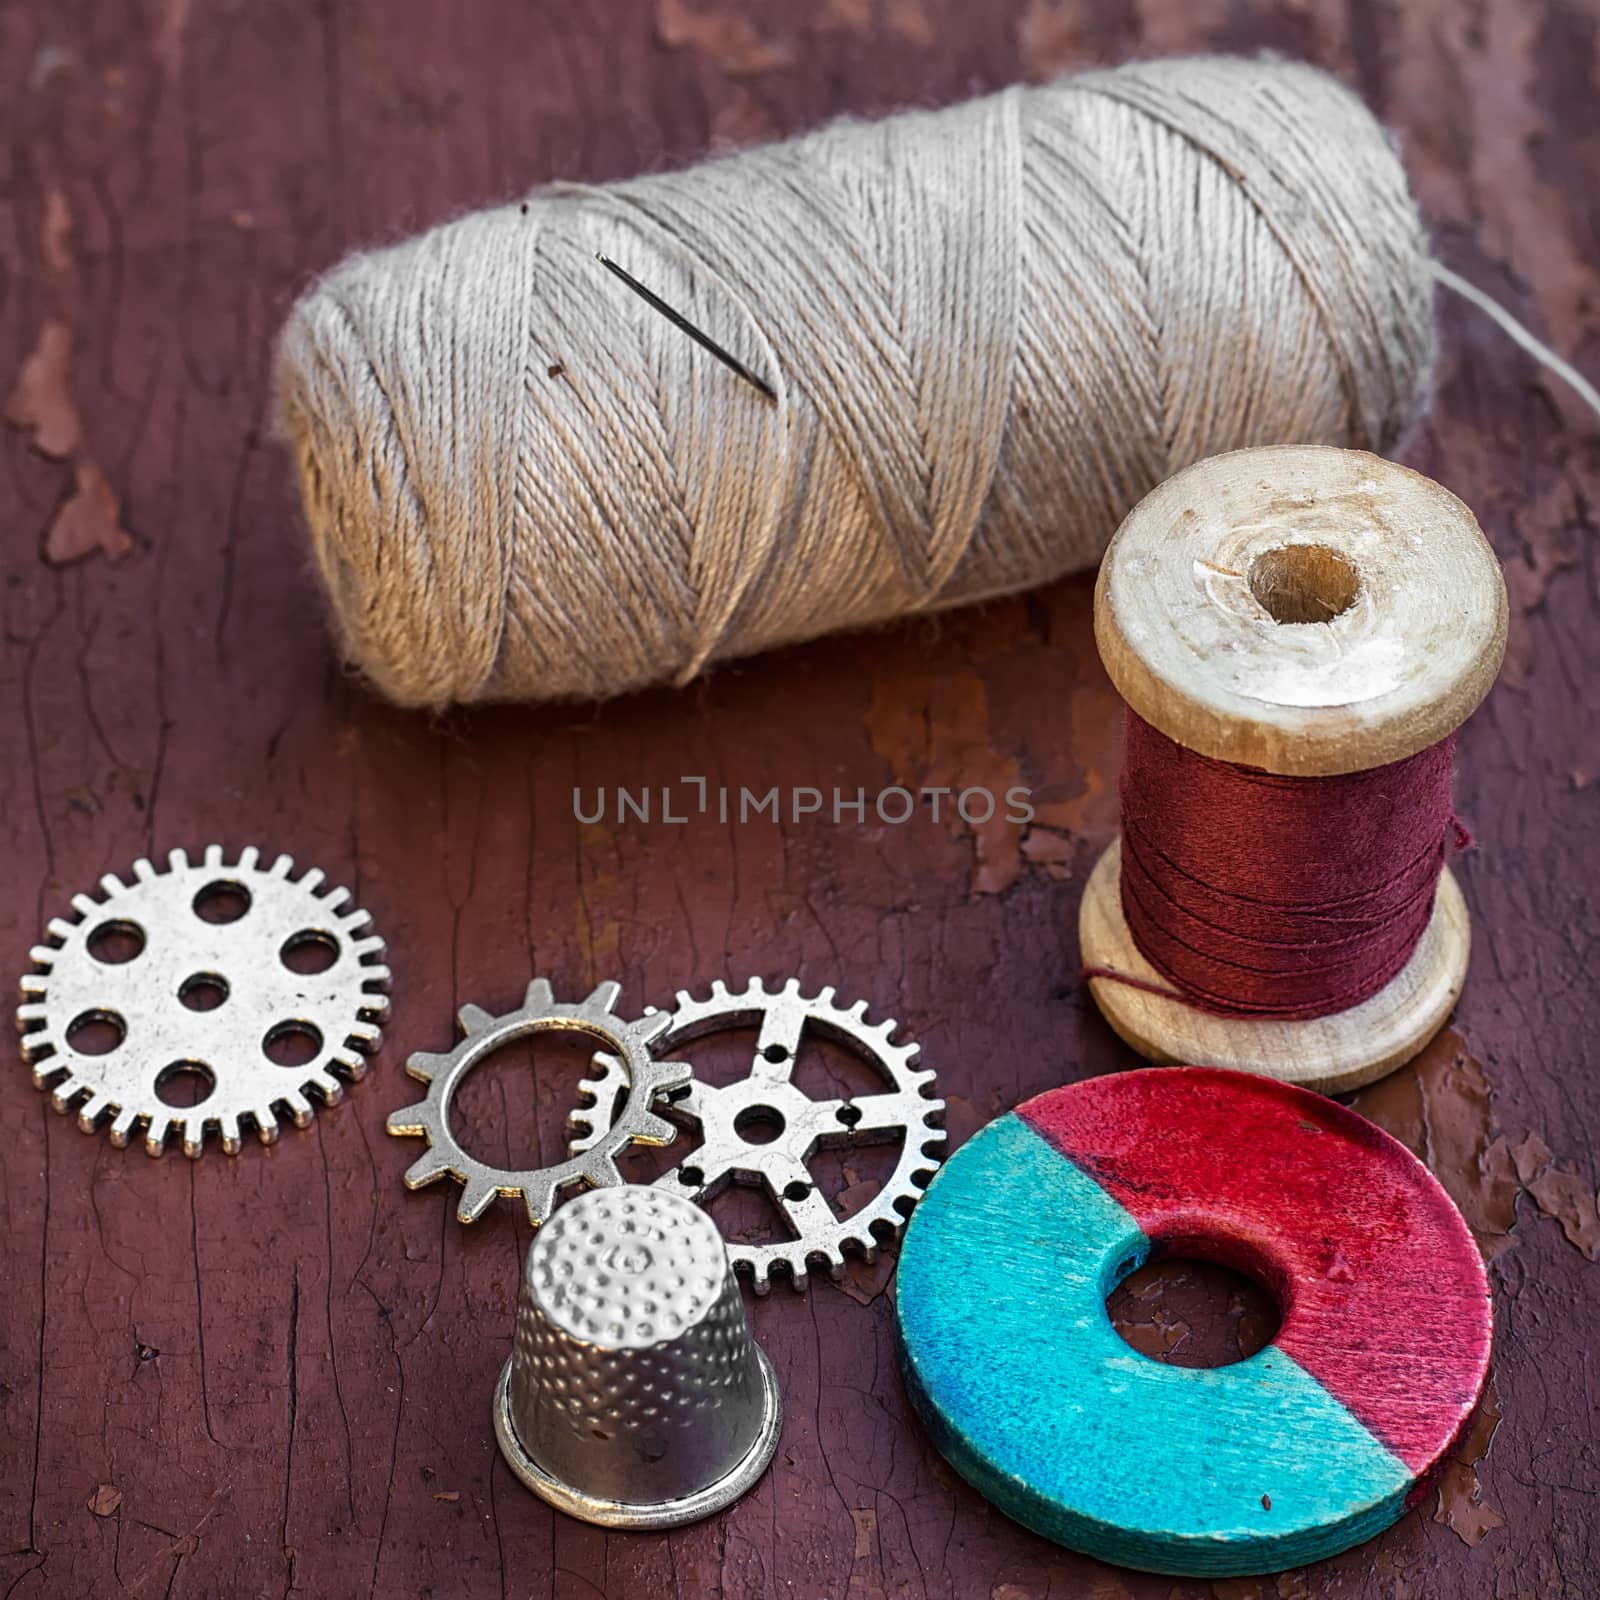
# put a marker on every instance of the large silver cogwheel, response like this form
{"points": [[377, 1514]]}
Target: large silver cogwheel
{"points": [[595, 1167], [257, 992], [768, 1099]]}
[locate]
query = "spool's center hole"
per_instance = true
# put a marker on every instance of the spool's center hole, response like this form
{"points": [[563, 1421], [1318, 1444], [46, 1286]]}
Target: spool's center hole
{"points": [[1304, 582], [1191, 1313]]}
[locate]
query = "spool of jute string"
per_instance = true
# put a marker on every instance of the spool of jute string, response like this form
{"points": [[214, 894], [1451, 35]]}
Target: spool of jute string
{"points": [[989, 330], [1298, 633]]}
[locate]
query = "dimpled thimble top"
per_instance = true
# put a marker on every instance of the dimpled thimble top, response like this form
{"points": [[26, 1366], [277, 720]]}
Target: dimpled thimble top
{"points": [[626, 1268], [633, 1375]]}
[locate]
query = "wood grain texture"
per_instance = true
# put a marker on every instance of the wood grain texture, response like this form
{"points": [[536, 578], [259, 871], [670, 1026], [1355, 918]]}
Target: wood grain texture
{"points": [[276, 1371], [1332, 1054], [1311, 1444]]}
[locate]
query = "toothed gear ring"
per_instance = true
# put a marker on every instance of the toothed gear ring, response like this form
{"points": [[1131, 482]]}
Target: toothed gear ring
{"points": [[768, 1096], [197, 976], [595, 1166]]}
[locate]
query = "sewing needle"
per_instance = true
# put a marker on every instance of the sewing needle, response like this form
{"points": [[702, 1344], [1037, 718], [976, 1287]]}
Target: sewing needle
{"points": [[732, 362]]}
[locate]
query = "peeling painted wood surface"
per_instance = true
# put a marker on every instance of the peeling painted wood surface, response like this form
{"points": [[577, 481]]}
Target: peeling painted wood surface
{"points": [[272, 1375]]}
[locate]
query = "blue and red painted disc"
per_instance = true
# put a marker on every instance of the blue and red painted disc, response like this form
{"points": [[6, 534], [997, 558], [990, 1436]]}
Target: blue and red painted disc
{"points": [[1311, 1445]]}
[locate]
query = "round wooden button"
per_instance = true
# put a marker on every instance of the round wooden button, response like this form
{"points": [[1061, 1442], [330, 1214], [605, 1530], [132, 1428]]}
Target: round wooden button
{"points": [[1315, 1443]]}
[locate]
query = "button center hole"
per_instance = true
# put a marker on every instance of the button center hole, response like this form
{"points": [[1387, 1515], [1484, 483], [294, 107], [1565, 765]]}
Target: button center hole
{"points": [[1188, 1312]]}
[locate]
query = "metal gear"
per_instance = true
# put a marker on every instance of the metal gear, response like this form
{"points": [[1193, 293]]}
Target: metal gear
{"points": [[595, 1166], [768, 1095], [151, 1000]]}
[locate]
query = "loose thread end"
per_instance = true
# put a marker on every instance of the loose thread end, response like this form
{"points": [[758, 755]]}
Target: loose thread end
{"points": [[1519, 335]]}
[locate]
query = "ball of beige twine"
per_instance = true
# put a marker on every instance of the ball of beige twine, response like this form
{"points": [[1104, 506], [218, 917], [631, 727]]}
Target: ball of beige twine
{"points": [[990, 329]]}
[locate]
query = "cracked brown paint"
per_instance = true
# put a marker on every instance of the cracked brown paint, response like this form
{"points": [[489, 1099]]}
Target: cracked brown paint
{"points": [[279, 1361], [105, 1499], [88, 520], [55, 235], [727, 38], [41, 402], [1560, 1192], [935, 734], [1439, 1107], [1461, 1504]]}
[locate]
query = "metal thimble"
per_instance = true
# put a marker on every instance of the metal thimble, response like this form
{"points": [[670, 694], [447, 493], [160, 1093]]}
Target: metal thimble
{"points": [[634, 1396]]}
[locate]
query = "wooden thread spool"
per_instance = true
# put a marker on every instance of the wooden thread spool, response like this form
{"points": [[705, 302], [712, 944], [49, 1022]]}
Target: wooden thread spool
{"points": [[1207, 619]]}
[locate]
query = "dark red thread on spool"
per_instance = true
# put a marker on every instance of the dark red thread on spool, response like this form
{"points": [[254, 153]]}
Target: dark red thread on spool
{"points": [[1256, 895]]}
